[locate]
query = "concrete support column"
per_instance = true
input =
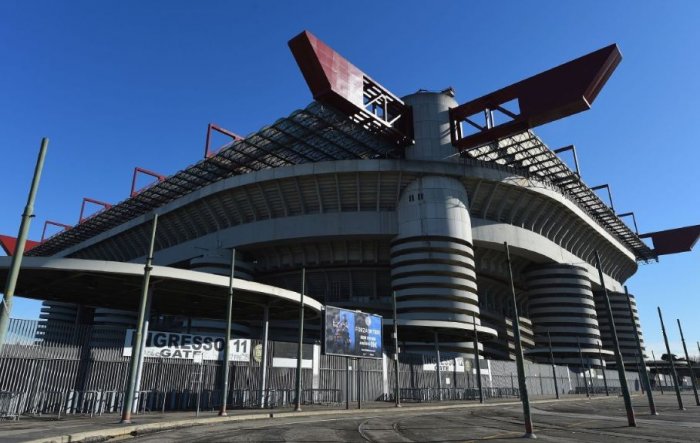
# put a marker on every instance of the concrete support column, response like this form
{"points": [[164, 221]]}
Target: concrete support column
{"points": [[561, 302], [432, 258], [623, 326]]}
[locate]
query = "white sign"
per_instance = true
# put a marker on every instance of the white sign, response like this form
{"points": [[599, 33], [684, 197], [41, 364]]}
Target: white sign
{"points": [[451, 365], [188, 346]]}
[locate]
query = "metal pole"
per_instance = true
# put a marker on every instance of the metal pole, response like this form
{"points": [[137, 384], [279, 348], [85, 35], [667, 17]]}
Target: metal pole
{"points": [[359, 388], [583, 368], [477, 364], [136, 354], [199, 387], [347, 382], [519, 353], [658, 373], [674, 376], [300, 353], [690, 364], [602, 368], [227, 350], [437, 364], [644, 375], [13, 274], [139, 371], [616, 347], [554, 368], [397, 392], [263, 358]]}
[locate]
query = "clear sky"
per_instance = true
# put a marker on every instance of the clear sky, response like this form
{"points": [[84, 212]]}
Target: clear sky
{"points": [[118, 84]]}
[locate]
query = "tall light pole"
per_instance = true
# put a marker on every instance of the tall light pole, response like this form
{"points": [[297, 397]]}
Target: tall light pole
{"points": [[631, 421], [11, 284], [554, 367], [396, 353], [227, 350], [519, 353], [300, 352], [644, 375], [690, 365], [136, 355], [674, 375], [476, 362]]}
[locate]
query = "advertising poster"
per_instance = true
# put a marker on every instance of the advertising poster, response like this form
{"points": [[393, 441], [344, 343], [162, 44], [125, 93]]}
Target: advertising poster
{"points": [[353, 333]]}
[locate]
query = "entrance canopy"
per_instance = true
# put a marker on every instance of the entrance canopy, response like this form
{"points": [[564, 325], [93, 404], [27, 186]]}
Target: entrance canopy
{"points": [[118, 285]]}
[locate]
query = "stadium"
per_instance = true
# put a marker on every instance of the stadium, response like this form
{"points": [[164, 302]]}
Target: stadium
{"points": [[369, 195]]}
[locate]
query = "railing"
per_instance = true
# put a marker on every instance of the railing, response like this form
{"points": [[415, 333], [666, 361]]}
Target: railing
{"points": [[448, 394]]}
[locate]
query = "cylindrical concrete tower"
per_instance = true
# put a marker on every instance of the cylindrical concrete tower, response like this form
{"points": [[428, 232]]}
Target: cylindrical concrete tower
{"points": [[561, 302], [623, 326], [431, 125], [432, 258]]}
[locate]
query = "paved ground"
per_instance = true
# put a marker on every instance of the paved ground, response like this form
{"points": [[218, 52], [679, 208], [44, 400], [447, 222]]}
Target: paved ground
{"points": [[573, 419], [595, 420]]}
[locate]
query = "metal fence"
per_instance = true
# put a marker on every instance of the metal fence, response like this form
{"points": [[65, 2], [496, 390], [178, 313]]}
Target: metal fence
{"points": [[80, 370]]}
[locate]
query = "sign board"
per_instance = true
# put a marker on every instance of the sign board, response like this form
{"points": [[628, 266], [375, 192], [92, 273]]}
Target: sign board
{"points": [[451, 365], [188, 346], [352, 333]]}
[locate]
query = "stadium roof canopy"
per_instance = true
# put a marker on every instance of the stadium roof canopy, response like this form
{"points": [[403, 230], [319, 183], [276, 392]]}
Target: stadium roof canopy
{"points": [[118, 285], [320, 133]]}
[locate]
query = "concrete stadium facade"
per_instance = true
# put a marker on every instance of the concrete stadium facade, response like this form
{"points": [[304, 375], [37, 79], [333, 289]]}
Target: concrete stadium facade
{"points": [[429, 225]]}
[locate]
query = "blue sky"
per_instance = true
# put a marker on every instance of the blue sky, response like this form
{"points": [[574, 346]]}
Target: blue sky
{"points": [[118, 84]]}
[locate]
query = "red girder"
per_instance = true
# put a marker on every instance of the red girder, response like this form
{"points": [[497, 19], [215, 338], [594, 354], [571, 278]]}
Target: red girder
{"points": [[335, 81], [9, 244], [53, 223], [105, 205], [672, 241], [551, 95], [212, 126], [138, 170]]}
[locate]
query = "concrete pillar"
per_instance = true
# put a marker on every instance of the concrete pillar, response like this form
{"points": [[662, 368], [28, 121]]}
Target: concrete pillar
{"points": [[623, 326], [432, 257], [431, 125], [560, 301]]}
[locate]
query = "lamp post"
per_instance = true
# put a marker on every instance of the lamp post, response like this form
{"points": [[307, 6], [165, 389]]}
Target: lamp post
{"points": [[631, 421], [227, 350], [519, 352], [554, 368], [643, 369], [136, 354], [15, 264], [674, 375], [396, 353], [300, 353], [690, 365]]}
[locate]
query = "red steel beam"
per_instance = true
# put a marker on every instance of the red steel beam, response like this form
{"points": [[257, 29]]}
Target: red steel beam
{"points": [[138, 170], [53, 223], [551, 95], [214, 127], [104, 205], [335, 81], [9, 244], [672, 241]]}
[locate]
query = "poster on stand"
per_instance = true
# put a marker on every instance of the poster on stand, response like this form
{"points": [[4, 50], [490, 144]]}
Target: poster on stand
{"points": [[352, 333]]}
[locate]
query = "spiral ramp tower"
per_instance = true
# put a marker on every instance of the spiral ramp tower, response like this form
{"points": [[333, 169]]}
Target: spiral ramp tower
{"points": [[623, 327], [562, 306]]}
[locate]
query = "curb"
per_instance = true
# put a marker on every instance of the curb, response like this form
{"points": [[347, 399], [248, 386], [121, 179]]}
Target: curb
{"points": [[134, 430]]}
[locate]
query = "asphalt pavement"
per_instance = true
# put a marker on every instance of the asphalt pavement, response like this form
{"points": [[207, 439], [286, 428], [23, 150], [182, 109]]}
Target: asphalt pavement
{"points": [[574, 419]]}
